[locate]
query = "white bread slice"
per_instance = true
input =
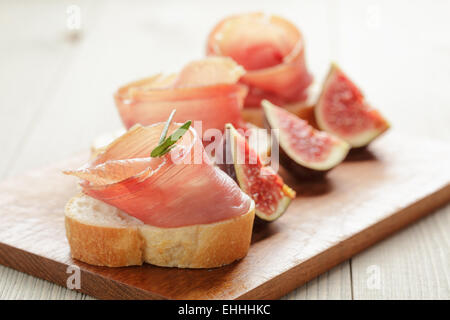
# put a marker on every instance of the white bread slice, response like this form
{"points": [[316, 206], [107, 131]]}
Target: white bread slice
{"points": [[103, 235]]}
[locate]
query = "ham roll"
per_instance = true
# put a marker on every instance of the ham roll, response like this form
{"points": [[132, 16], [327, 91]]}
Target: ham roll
{"points": [[205, 90], [180, 188], [271, 50]]}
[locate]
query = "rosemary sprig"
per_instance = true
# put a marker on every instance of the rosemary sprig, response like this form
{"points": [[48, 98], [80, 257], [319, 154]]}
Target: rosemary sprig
{"points": [[165, 146], [166, 127]]}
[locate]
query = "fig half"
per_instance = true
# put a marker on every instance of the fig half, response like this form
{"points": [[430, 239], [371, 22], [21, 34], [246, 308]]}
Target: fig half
{"points": [[305, 151], [271, 195], [343, 111]]}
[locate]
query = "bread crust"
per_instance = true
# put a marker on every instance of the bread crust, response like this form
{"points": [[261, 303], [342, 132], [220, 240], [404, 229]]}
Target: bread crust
{"points": [[102, 245], [199, 246]]}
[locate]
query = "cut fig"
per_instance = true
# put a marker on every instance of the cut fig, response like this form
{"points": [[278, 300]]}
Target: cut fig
{"points": [[343, 111], [304, 150], [271, 195]]}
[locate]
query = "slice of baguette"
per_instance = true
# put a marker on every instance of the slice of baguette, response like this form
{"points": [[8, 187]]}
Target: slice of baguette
{"points": [[103, 235]]}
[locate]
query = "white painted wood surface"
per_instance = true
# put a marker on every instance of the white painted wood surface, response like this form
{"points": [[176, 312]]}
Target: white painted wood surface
{"points": [[56, 96]]}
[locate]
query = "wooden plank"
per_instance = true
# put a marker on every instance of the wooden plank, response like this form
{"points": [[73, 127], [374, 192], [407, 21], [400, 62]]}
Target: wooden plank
{"points": [[413, 264], [379, 38], [334, 284], [401, 65], [34, 57], [35, 54], [18, 285], [62, 102], [361, 202]]}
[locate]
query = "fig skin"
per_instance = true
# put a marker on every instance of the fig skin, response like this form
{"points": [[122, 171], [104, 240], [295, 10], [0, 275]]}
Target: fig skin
{"points": [[335, 70], [295, 162], [300, 171], [293, 167], [230, 169], [307, 113]]}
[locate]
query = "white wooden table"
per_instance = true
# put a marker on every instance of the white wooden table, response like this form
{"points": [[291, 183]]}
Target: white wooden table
{"points": [[56, 95]]}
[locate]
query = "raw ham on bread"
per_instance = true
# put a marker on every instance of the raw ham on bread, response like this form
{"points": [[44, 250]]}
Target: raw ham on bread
{"points": [[205, 90], [181, 188], [271, 49]]}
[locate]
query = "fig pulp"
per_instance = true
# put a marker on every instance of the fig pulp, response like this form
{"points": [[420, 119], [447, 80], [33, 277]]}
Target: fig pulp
{"points": [[343, 111], [304, 150], [271, 195]]}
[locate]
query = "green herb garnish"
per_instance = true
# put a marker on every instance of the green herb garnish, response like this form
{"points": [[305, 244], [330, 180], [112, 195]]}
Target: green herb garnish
{"points": [[166, 145], [166, 127]]}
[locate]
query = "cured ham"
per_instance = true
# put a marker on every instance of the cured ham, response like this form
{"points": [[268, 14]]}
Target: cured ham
{"points": [[181, 188], [205, 90], [271, 50]]}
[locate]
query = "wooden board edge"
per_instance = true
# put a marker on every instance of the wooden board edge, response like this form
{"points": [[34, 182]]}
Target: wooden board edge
{"points": [[94, 285], [106, 288], [293, 278]]}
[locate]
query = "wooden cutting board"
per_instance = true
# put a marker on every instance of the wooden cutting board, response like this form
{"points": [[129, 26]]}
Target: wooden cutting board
{"points": [[369, 196]]}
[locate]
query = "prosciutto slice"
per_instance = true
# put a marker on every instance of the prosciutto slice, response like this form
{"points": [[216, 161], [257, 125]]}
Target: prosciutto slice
{"points": [[271, 50], [178, 189], [205, 90]]}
